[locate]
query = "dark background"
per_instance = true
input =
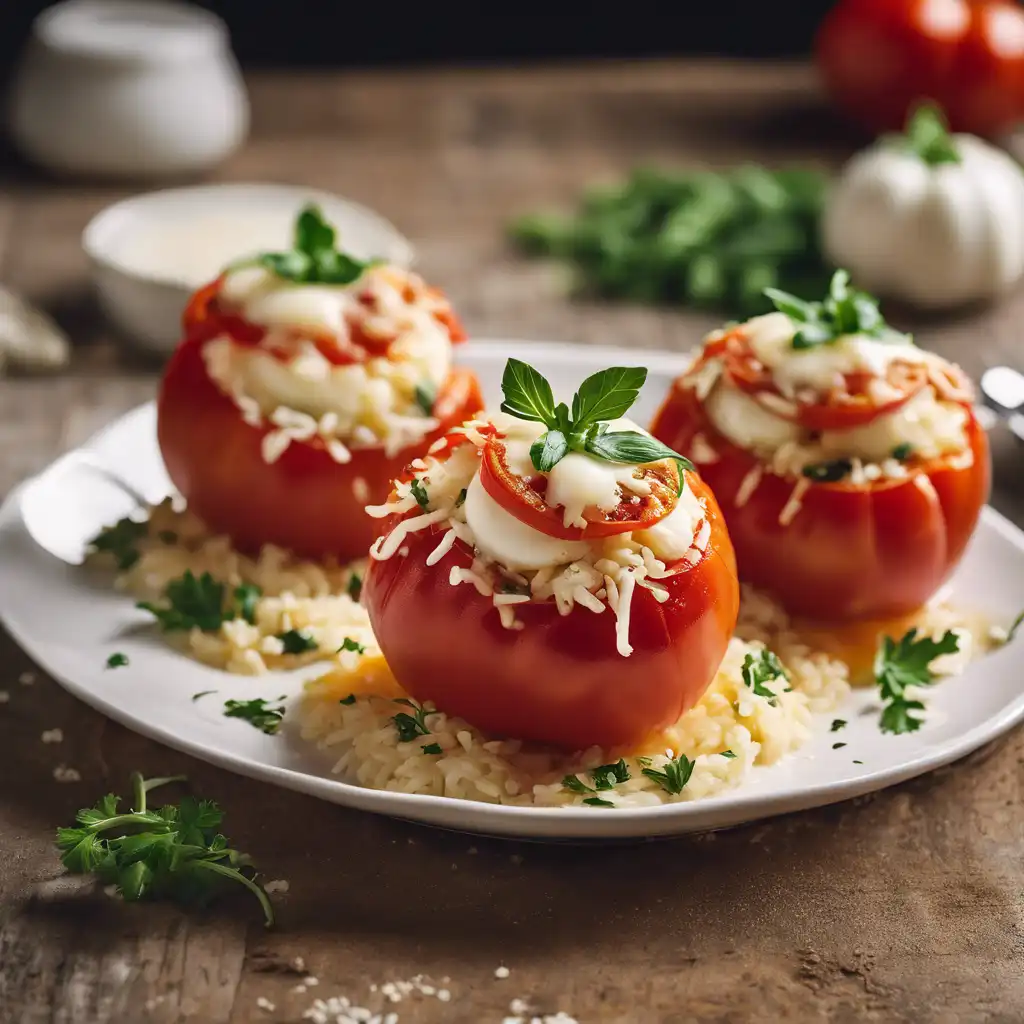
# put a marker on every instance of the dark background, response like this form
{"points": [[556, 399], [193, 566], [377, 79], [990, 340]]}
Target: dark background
{"points": [[340, 33]]}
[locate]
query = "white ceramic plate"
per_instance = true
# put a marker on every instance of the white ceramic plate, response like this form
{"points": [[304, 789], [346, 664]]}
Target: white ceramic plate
{"points": [[70, 622]]}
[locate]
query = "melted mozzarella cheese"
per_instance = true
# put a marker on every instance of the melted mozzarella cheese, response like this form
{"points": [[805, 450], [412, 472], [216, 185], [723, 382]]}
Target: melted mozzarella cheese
{"points": [[821, 368], [746, 423], [504, 539], [673, 537]]}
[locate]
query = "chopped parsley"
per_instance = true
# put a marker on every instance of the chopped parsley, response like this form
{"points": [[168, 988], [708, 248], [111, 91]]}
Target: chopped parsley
{"points": [[419, 492], [902, 452], [175, 853], [202, 693], [838, 746], [297, 641], [246, 596], [673, 775], [191, 602], [349, 700], [354, 587], [837, 724], [845, 311], [257, 713], [604, 777], [461, 499], [904, 663], [432, 748], [760, 669], [603, 396], [168, 537], [117, 660], [426, 395], [348, 644], [596, 801], [828, 472], [121, 541], [410, 726], [728, 753]]}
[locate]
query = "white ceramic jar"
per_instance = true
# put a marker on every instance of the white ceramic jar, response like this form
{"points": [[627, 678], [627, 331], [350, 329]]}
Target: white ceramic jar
{"points": [[128, 89]]}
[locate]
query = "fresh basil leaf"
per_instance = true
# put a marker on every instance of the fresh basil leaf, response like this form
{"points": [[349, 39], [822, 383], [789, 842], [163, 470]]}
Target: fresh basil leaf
{"points": [[426, 394], [313, 232], [548, 450], [813, 334], [292, 266], [631, 448], [868, 317], [607, 395], [528, 395], [333, 267], [795, 308]]}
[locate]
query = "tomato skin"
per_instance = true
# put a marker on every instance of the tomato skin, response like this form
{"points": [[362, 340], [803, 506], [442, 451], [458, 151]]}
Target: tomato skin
{"points": [[879, 58], [304, 501], [560, 679], [868, 551]]}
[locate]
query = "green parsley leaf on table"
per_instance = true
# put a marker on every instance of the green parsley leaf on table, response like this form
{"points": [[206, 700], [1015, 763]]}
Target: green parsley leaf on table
{"points": [[313, 258], [297, 641], [257, 712], [673, 774], [760, 669], [117, 660], [121, 541], [174, 853], [694, 238], [410, 726], [904, 663], [603, 396], [844, 311]]}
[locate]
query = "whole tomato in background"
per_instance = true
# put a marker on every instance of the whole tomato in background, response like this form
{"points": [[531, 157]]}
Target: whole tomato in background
{"points": [[880, 57]]}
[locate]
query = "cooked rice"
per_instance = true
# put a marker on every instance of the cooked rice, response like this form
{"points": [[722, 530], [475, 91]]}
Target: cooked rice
{"points": [[360, 737]]}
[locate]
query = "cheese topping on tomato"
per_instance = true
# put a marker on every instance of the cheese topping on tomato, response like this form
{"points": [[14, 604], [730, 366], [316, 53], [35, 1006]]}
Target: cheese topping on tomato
{"points": [[925, 426], [513, 562], [286, 380]]}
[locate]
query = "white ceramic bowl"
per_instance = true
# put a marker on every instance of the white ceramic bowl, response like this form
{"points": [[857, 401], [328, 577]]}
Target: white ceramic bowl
{"points": [[150, 252]]}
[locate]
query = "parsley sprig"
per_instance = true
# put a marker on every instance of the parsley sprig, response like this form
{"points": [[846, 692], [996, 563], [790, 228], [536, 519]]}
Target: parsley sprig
{"points": [[201, 602], [314, 257], [257, 712], [121, 541], [174, 853], [845, 311], [760, 669], [409, 726], [604, 777], [603, 396], [673, 775], [903, 663]]}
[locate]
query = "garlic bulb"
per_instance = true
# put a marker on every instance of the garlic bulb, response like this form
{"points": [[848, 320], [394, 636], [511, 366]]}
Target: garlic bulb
{"points": [[932, 219]]}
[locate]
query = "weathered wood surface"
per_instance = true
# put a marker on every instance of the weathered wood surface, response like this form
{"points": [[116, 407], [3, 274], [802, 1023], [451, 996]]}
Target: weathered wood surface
{"points": [[903, 907]]}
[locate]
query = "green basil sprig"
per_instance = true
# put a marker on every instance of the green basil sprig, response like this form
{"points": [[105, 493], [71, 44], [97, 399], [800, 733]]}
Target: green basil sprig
{"points": [[314, 257], [603, 396], [845, 311]]}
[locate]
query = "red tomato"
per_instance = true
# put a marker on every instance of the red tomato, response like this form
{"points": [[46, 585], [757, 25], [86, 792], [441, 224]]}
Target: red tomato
{"points": [[851, 405], [559, 679], [880, 57], [525, 499], [305, 501], [866, 551]]}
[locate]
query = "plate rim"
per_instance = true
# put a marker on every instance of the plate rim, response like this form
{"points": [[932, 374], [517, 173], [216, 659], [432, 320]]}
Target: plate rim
{"points": [[501, 819]]}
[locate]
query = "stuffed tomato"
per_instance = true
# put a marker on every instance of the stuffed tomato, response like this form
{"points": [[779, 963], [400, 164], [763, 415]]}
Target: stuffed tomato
{"points": [[554, 576], [848, 462], [304, 384]]}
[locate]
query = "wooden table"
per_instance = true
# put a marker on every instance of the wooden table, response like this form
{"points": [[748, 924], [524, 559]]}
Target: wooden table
{"points": [[901, 907]]}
